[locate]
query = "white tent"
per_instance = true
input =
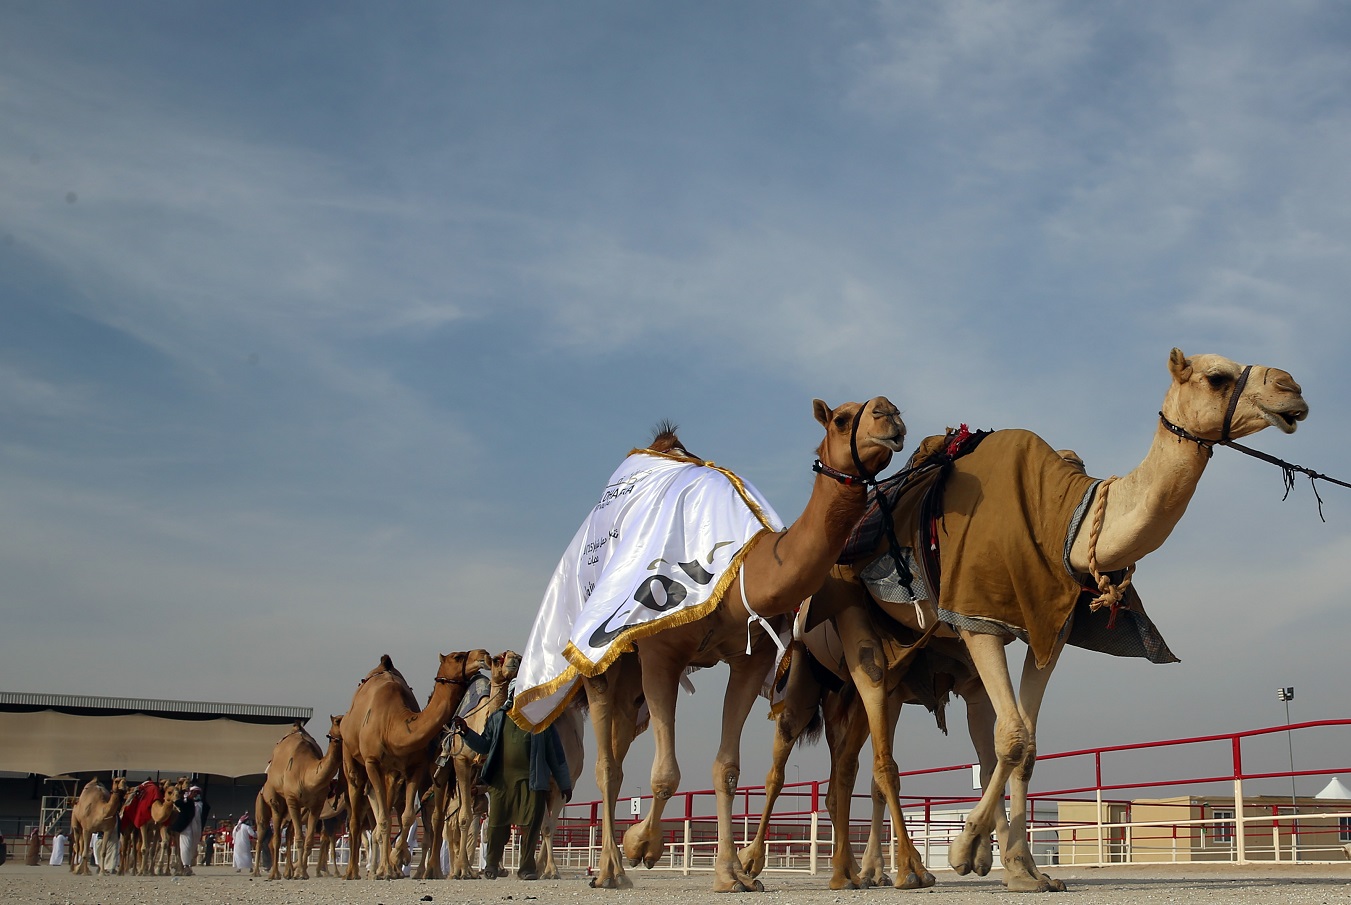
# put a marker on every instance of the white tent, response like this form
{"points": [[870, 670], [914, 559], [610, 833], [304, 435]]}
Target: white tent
{"points": [[1336, 790]]}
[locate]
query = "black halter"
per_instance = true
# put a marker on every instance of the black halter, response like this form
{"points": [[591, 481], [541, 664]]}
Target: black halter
{"points": [[865, 476], [1226, 429]]}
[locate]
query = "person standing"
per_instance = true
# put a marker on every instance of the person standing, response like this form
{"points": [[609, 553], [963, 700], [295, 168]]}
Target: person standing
{"points": [[517, 768], [193, 811], [243, 837], [59, 848], [34, 851]]}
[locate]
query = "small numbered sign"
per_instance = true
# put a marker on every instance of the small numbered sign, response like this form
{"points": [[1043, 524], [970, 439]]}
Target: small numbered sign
{"points": [[636, 807]]}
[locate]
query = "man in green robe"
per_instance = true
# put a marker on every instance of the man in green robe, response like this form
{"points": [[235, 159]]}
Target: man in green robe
{"points": [[517, 768]]}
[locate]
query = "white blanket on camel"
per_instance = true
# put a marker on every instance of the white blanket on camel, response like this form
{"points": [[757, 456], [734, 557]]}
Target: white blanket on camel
{"points": [[660, 548]]}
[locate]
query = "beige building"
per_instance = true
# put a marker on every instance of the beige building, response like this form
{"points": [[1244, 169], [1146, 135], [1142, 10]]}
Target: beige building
{"points": [[1205, 828]]}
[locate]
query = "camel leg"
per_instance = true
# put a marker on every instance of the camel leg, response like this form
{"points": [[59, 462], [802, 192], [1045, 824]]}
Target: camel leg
{"points": [[261, 817], [552, 812], [743, 687], [433, 824], [643, 842], [846, 729], [800, 705], [461, 852], [378, 791], [612, 743], [412, 809], [1015, 748], [980, 721], [1020, 870], [295, 868], [868, 668], [872, 866], [356, 816], [307, 841]]}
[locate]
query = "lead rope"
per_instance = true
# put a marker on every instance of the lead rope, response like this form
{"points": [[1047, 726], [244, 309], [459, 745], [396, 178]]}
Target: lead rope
{"points": [[1109, 594]]}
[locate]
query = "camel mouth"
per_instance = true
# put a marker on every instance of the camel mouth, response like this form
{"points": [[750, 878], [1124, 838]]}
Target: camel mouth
{"points": [[1285, 422], [895, 443]]}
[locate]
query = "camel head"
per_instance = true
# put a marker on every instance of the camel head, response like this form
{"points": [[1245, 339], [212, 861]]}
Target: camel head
{"points": [[860, 437], [505, 666], [335, 729], [459, 667], [1201, 397], [119, 784]]}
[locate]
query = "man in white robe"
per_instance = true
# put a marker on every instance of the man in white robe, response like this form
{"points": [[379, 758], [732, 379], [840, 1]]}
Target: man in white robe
{"points": [[243, 837], [58, 848]]}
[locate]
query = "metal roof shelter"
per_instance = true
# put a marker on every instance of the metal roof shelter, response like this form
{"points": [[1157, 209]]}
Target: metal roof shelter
{"points": [[55, 734]]}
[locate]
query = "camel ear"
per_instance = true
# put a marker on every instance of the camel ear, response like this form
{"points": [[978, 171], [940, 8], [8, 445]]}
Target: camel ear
{"points": [[821, 411], [1178, 364]]}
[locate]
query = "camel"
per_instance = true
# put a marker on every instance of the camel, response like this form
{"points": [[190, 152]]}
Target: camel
{"points": [[1004, 577], [465, 765], [298, 780], [775, 576], [820, 697], [97, 811], [859, 636], [161, 845], [136, 830], [388, 742], [570, 725]]}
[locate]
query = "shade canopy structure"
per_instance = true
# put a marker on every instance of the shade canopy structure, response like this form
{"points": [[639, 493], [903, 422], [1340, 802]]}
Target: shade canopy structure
{"points": [[51, 735], [1336, 790]]}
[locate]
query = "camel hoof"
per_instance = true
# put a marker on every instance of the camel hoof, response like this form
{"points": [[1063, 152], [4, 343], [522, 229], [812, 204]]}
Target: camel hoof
{"points": [[916, 881], [1034, 884], [650, 862]]}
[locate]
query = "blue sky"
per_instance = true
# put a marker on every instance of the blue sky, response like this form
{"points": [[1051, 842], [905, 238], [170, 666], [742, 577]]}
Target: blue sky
{"points": [[322, 324]]}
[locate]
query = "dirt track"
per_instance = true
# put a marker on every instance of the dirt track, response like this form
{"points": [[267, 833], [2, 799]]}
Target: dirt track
{"points": [[1303, 885]]}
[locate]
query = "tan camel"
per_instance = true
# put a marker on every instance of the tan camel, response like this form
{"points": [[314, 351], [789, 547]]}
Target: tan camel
{"points": [[133, 831], [96, 811], [162, 846], [872, 655], [570, 725], [1002, 575], [299, 775], [918, 671], [467, 768], [775, 577], [388, 742]]}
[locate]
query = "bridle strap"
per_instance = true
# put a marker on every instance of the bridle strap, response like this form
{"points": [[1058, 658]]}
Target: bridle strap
{"points": [[865, 477], [1206, 446], [1233, 403]]}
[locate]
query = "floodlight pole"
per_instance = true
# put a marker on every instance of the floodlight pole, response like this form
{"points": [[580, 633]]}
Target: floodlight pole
{"points": [[1287, 694]]}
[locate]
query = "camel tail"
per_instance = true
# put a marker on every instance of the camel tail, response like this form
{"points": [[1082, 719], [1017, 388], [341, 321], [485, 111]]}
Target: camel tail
{"points": [[814, 729]]}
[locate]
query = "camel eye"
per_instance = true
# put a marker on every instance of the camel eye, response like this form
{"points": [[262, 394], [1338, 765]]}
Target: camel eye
{"points": [[1218, 381], [841, 421]]}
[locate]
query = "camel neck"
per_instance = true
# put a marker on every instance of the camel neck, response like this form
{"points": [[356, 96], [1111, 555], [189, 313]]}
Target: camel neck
{"points": [[782, 571], [1144, 506]]}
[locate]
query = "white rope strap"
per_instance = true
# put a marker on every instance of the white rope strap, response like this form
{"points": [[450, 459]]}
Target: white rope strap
{"points": [[755, 617]]}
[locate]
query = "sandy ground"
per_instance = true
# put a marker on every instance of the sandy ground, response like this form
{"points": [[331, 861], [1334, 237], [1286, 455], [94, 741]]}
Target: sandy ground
{"points": [[1299, 885]]}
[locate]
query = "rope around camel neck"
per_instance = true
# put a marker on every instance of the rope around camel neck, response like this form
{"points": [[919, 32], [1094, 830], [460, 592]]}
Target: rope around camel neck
{"points": [[1109, 594]]}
